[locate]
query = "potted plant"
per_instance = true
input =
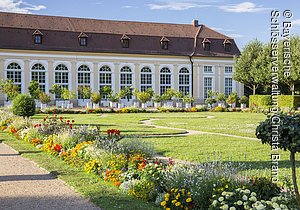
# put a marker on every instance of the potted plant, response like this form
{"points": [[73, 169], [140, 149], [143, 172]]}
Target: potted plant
{"points": [[221, 99], [210, 100], [243, 101], [143, 97], [44, 99], [178, 95], [157, 100], [84, 92], [96, 98], [151, 92], [10, 89], [188, 101], [34, 91], [56, 91], [104, 93], [67, 95], [113, 98], [136, 103], [167, 97], [232, 99]]}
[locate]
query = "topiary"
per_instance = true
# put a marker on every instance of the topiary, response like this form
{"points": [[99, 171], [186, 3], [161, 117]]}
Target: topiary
{"points": [[24, 105], [95, 97]]}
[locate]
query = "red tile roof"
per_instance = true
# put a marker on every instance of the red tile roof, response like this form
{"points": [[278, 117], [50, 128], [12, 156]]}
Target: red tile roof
{"points": [[61, 33]]}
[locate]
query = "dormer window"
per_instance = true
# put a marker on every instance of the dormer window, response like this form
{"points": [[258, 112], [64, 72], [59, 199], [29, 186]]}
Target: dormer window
{"points": [[82, 39], [206, 44], [164, 42], [227, 45], [37, 37], [125, 41]]}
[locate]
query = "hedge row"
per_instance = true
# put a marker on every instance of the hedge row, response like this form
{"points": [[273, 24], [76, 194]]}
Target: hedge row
{"points": [[265, 101]]}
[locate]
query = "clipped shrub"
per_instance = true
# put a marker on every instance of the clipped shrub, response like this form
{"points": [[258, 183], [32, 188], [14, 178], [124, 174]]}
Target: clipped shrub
{"points": [[23, 105], [218, 109], [95, 97], [260, 101], [44, 98], [288, 101]]}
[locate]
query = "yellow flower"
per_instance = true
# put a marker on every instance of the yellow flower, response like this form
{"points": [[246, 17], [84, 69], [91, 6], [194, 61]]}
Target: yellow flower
{"points": [[167, 195], [176, 190], [177, 204], [174, 201], [163, 203], [166, 199], [172, 190], [189, 193], [168, 209], [188, 200], [186, 208]]}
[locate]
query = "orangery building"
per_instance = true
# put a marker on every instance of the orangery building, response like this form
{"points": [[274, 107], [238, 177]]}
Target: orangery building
{"points": [[76, 52]]}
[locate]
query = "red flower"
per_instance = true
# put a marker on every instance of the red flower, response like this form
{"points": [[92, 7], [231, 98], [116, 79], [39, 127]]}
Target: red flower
{"points": [[57, 147], [170, 162], [113, 132], [70, 126], [73, 121]]}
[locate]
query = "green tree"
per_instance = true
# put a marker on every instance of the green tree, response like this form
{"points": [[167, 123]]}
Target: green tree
{"points": [[34, 89], [143, 97], [287, 139], [84, 92], [9, 88], [294, 56], [252, 68], [95, 97], [68, 95], [23, 105], [56, 89], [44, 98]]}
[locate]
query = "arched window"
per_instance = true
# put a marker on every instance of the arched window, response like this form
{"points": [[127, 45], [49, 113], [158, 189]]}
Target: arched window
{"points": [[83, 78], [38, 73], [146, 78], [14, 73], [61, 77], [184, 81], [165, 79], [125, 78], [105, 78]]}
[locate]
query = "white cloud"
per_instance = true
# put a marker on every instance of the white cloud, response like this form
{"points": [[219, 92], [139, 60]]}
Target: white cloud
{"points": [[296, 22], [235, 35], [244, 7], [221, 29], [127, 7], [171, 5], [19, 6]]}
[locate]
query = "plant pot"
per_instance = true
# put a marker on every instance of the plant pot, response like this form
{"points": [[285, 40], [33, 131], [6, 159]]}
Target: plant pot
{"points": [[157, 104], [95, 106], [243, 106], [221, 104], [83, 102], [178, 104], [69, 105], [113, 104], [144, 105], [7, 103], [43, 106], [121, 105], [188, 105], [37, 103], [168, 104], [149, 104], [89, 105], [105, 103], [136, 104]]}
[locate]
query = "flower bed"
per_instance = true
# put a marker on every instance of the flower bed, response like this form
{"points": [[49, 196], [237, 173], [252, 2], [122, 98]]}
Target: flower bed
{"points": [[129, 165]]}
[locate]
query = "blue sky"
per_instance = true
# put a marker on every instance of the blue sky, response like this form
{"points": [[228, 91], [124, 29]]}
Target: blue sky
{"points": [[242, 20]]}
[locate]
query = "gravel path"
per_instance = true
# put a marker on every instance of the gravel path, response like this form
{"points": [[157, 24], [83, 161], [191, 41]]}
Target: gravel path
{"points": [[192, 132], [23, 185]]}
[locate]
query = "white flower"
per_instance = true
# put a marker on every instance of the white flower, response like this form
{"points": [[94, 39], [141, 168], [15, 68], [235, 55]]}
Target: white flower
{"points": [[225, 207], [221, 199], [253, 194], [232, 208], [245, 197], [253, 199], [239, 202], [275, 205], [247, 191], [215, 202], [260, 207], [224, 193]]}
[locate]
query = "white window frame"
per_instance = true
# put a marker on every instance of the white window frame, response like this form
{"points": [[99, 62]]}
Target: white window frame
{"points": [[228, 72], [61, 73], [106, 73], [77, 77], [46, 83], [126, 74], [165, 85], [148, 74], [21, 84], [212, 69], [212, 85], [225, 85], [184, 74]]}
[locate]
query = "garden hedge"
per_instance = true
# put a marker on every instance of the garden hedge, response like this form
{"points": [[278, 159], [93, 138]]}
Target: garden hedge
{"points": [[265, 101]]}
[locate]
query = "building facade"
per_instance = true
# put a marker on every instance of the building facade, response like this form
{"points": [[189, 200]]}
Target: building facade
{"points": [[76, 52]]}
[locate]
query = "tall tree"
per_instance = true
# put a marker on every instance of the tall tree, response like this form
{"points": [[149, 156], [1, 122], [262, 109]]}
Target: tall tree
{"points": [[252, 68], [290, 51]]}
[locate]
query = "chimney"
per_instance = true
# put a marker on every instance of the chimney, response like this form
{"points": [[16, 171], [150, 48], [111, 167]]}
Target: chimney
{"points": [[195, 23]]}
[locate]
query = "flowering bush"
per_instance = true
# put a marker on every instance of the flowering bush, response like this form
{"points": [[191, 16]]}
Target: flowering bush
{"points": [[245, 199], [92, 166], [143, 189], [177, 199]]}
